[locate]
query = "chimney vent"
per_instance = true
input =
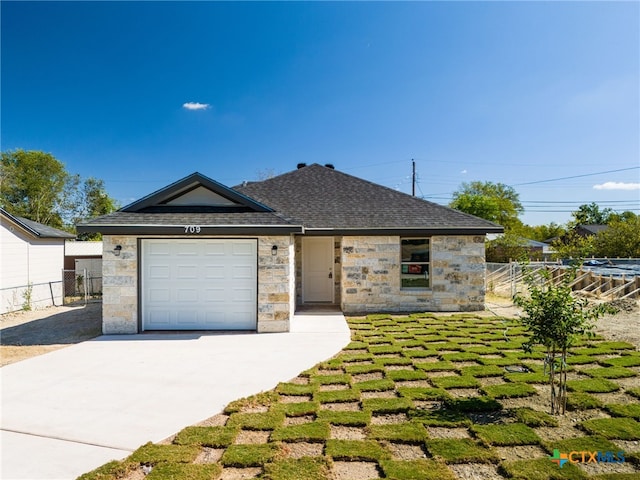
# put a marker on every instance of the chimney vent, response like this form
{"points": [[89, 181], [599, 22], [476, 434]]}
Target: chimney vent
{"points": [[330, 165], [301, 165]]}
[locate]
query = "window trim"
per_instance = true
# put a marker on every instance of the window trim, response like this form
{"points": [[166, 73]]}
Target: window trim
{"points": [[427, 263]]}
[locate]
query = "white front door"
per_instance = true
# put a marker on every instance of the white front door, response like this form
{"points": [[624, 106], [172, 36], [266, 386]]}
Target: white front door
{"points": [[317, 269], [203, 284]]}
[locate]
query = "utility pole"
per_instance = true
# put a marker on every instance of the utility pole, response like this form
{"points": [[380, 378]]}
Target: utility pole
{"points": [[413, 182]]}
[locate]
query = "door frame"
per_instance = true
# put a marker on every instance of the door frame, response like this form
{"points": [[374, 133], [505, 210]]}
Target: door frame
{"points": [[306, 247]]}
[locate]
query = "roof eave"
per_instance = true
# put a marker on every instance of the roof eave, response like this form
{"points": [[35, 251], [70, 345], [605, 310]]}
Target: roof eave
{"points": [[182, 230], [404, 231]]}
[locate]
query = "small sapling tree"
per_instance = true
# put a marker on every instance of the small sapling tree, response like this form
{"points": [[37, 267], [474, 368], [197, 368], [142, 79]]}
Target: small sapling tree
{"points": [[555, 318]]}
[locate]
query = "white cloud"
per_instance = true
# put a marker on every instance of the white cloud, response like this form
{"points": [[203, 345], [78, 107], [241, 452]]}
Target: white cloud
{"points": [[464, 172], [617, 186], [195, 106]]}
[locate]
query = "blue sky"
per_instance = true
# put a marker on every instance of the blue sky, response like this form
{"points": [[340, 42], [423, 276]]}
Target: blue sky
{"points": [[542, 96]]}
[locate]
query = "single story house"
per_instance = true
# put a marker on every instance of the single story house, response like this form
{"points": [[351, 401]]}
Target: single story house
{"points": [[31, 259], [198, 255]]}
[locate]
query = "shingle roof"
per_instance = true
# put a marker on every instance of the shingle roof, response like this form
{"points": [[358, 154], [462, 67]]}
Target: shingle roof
{"points": [[36, 229], [325, 199]]}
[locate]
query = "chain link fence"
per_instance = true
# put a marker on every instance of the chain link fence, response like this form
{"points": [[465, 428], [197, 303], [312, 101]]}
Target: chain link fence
{"points": [[81, 286]]}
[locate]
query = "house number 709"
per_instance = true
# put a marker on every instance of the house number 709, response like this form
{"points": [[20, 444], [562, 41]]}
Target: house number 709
{"points": [[192, 229]]}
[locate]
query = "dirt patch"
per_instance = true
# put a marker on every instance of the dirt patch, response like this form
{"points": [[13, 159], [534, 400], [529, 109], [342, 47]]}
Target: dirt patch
{"points": [[28, 334]]}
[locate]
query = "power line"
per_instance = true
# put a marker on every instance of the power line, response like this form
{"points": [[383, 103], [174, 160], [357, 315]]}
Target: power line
{"points": [[575, 176]]}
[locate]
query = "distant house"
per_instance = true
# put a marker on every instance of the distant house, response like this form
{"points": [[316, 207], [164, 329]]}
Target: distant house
{"points": [[589, 230], [31, 259], [83, 260], [197, 255]]}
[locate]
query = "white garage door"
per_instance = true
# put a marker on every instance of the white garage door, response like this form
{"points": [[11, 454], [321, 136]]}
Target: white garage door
{"points": [[203, 284]]}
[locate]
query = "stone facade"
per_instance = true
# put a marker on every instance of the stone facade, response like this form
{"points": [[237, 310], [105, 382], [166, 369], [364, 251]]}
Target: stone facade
{"points": [[276, 284], [371, 275]]}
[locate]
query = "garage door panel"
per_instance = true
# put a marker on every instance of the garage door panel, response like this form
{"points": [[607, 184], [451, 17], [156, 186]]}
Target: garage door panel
{"points": [[199, 284]]}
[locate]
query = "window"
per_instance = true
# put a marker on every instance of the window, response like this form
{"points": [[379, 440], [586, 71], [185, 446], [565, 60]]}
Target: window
{"points": [[414, 263]]}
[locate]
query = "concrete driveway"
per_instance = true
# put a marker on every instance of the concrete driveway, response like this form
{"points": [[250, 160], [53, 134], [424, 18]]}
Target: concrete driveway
{"points": [[72, 410]]}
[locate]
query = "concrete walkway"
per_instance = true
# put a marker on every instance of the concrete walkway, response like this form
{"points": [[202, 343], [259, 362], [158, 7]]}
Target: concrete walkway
{"points": [[69, 411]]}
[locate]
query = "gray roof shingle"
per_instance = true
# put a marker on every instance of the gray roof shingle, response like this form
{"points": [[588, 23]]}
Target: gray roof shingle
{"points": [[325, 199], [37, 229]]}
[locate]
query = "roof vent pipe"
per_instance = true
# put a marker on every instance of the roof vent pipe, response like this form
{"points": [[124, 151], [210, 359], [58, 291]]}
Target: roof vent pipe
{"points": [[330, 165], [300, 165]]}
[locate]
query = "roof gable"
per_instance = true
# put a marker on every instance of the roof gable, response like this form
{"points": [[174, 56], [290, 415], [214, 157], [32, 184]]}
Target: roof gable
{"points": [[35, 229], [195, 193]]}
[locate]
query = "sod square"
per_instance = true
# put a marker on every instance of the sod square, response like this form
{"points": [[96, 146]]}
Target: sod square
{"points": [[305, 468], [395, 361], [111, 470], [534, 418], [455, 381], [435, 366], [624, 361], [349, 395], [248, 455], [620, 428], [480, 371], [416, 469], [591, 443], [346, 358], [500, 362], [593, 385], [153, 454], [541, 469], [384, 349], [423, 393], [351, 419], [215, 437], [580, 359], [353, 450], [634, 392], [509, 390], [420, 353], [335, 379], [406, 375], [461, 450], [609, 372], [460, 357], [474, 404], [360, 369], [582, 401], [627, 410], [299, 409], [170, 471], [295, 389], [506, 435], [407, 432], [483, 350], [387, 405], [261, 399], [256, 421], [305, 432], [615, 345], [374, 385], [440, 418]]}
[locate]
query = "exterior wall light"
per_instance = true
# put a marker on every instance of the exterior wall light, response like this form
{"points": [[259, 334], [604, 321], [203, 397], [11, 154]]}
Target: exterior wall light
{"points": [[117, 250], [274, 250]]}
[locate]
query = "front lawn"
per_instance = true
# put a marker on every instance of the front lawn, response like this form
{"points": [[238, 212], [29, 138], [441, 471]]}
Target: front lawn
{"points": [[417, 397]]}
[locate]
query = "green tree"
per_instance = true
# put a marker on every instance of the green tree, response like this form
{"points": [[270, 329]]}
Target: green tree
{"points": [[621, 239], [35, 185], [542, 233], [505, 248], [590, 214], [93, 201], [495, 202], [555, 319], [573, 245]]}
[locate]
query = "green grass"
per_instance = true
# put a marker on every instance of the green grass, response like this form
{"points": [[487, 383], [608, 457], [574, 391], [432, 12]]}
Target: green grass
{"points": [[387, 405], [243, 456], [582, 444], [609, 372], [295, 389], [473, 404], [582, 401], [171, 471], [506, 435], [306, 432], [624, 361], [256, 421], [541, 469], [354, 450], [152, 454], [533, 418], [299, 409], [461, 450], [627, 410], [593, 385], [215, 437], [406, 375], [423, 393], [613, 428], [416, 470], [455, 381], [111, 470], [339, 379], [333, 396], [375, 385], [305, 468]]}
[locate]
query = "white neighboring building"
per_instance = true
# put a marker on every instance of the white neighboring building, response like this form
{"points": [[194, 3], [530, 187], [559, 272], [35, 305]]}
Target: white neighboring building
{"points": [[31, 259]]}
